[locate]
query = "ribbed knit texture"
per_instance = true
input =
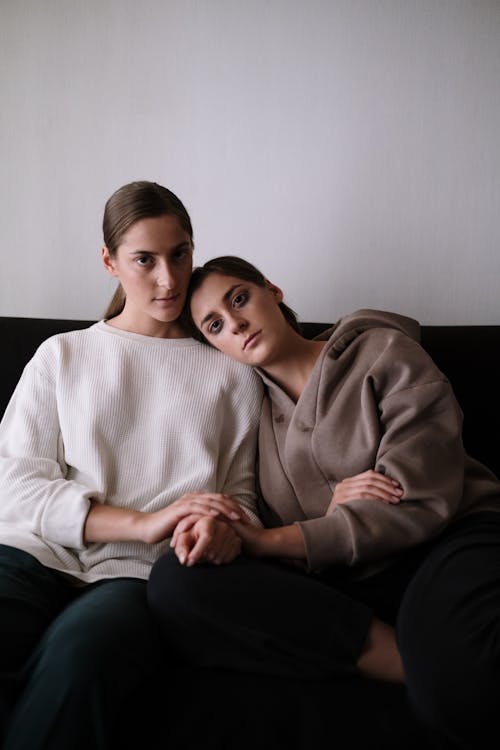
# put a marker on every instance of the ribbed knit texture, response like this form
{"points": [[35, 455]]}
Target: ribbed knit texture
{"points": [[130, 420]]}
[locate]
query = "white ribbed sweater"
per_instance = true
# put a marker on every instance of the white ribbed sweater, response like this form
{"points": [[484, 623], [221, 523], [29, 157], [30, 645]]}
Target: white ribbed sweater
{"points": [[130, 420]]}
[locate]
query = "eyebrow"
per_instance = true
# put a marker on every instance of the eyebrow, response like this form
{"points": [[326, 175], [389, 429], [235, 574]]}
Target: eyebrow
{"points": [[155, 252], [225, 298]]}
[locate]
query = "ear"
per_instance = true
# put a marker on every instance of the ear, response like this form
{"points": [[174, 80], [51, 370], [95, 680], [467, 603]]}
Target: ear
{"points": [[275, 291], [108, 262]]}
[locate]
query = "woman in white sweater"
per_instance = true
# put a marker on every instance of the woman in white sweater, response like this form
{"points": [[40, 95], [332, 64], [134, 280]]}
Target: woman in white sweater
{"points": [[113, 435]]}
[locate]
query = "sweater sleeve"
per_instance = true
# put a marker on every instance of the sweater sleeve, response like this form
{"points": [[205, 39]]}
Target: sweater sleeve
{"points": [[237, 467], [421, 447], [35, 494]]}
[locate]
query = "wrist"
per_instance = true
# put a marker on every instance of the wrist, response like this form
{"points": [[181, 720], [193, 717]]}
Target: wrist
{"points": [[282, 541], [141, 527]]}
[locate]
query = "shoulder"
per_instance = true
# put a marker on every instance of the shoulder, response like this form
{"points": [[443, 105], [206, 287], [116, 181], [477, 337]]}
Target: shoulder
{"points": [[389, 358], [50, 351], [238, 374]]}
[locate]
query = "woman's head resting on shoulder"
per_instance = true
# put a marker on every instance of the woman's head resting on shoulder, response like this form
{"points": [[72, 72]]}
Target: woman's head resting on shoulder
{"points": [[233, 307], [148, 247]]}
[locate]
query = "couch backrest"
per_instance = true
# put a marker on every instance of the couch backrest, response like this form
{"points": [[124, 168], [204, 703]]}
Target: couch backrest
{"points": [[468, 355]]}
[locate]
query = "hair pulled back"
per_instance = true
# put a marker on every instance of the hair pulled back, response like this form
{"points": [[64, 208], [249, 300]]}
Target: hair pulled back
{"points": [[230, 265], [129, 204]]}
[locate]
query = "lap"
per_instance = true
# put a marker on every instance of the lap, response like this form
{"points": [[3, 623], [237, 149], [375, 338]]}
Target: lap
{"points": [[257, 616], [94, 651]]}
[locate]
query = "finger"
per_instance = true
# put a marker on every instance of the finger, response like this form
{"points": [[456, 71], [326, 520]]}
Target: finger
{"points": [[370, 485], [367, 493], [372, 478], [200, 549], [214, 497], [182, 547], [185, 524], [372, 474], [213, 507]]}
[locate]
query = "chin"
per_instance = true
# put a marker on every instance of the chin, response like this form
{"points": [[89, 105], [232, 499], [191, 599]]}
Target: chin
{"points": [[168, 317]]}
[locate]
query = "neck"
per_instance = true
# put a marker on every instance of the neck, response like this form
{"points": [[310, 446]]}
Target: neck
{"points": [[150, 327], [293, 368]]}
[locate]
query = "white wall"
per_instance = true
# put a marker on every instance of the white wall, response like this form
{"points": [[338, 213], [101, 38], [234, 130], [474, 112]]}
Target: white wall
{"points": [[350, 148]]}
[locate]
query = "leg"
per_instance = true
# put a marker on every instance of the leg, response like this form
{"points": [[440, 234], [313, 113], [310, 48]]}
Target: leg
{"points": [[449, 634], [31, 596], [86, 667], [260, 617]]}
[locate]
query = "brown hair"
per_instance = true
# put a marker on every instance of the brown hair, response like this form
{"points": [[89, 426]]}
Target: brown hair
{"points": [[229, 265], [130, 203]]}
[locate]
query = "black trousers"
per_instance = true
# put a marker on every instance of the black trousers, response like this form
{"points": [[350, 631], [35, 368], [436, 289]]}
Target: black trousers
{"points": [[449, 635], [71, 658], [259, 617], [265, 618]]}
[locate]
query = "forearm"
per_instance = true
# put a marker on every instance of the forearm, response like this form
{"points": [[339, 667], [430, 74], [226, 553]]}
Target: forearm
{"points": [[106, 523], [282, 541]]}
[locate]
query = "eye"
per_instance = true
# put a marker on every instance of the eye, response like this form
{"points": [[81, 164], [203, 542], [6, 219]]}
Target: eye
{"points": [[181, 253], [240, 299], [144, 260], [214, 327]]}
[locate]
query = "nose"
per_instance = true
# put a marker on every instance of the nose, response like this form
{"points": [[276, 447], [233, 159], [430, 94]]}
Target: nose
{"points": [[166, 275], [238, 324]]}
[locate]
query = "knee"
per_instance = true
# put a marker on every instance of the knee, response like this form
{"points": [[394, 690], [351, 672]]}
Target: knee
{"points": [[177, 593], [75, 656]]}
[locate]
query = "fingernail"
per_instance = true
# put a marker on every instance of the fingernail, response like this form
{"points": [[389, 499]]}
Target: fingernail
{"points": [[234, 515]]}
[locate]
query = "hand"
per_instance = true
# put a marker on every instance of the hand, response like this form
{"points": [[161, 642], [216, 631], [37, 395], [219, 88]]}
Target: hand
{"points": [[186, 523], [207, 540], [370, 485], [161, 524]]}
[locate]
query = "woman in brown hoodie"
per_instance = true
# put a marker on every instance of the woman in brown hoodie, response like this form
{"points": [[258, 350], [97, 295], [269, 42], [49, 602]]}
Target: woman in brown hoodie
{"points": [[364, 481]]}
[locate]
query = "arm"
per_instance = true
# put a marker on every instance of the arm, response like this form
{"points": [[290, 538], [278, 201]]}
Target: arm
{"points": [[38, 496], [35, 494], [239, 414], [288, 541], [106, 523], [421, 447]]}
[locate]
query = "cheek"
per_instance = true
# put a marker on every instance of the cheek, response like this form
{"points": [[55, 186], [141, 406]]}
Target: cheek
{"points": [[221, 343]]}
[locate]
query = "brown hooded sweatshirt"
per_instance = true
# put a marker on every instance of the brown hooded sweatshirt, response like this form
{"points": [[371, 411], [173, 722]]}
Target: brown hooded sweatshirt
{"points": [[374, 400]]}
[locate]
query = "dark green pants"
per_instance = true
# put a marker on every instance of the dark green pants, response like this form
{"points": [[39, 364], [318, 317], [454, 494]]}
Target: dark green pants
{"points": [[71, 658]]}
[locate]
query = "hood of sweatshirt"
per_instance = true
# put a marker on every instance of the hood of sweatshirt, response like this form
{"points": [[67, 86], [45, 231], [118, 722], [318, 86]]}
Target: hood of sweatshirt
{"points": [[343, 333]]}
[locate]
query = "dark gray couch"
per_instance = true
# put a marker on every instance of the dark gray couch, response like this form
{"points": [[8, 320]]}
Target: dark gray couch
{"points": [[240, 712]]}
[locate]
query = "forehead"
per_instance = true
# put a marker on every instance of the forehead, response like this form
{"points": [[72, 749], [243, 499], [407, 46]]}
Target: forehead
{"points": [[215, 286], [155, 231]]}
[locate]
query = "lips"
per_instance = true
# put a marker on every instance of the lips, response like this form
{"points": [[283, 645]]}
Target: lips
{"points": [[166, 300], [251, 338]]}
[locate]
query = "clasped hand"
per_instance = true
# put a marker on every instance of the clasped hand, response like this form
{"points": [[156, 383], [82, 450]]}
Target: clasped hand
{"points": [[201, 529]]}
